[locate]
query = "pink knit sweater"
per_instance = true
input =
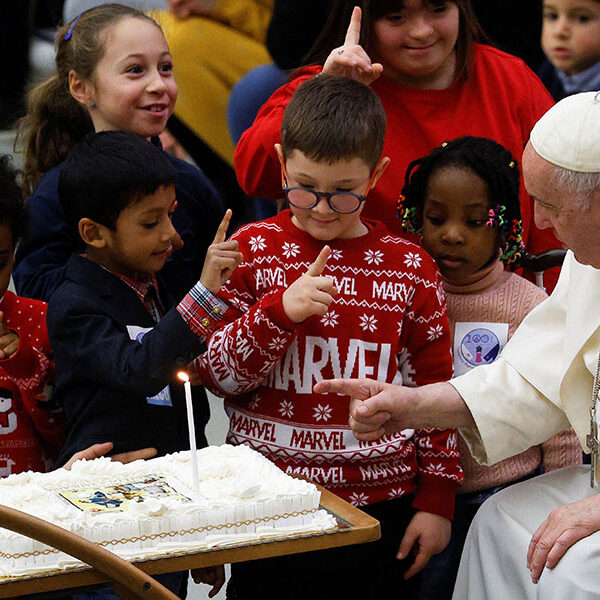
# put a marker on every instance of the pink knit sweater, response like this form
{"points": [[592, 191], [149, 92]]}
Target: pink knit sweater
{"points": [[497, 296]]}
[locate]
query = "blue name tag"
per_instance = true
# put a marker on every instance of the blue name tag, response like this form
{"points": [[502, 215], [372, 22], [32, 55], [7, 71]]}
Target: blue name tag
{"points": [[163, 398]]}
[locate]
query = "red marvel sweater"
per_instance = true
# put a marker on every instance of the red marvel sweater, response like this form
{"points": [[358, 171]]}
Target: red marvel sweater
{"points": [[388, 322], [31, 428], [502, 99]]}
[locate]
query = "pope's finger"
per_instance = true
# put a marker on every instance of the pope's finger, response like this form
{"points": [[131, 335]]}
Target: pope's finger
{"points": [[350, 387], [353, 33], [374, 421], [317, 267], [532, 544], [222, 230]]}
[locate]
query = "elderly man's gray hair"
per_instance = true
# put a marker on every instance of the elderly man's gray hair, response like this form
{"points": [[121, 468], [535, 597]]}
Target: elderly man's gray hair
{"points": [[582, 185]]}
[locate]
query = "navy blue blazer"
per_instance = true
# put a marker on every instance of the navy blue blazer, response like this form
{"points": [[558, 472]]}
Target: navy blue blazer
{"points": [[43, 254], [104, 378]]}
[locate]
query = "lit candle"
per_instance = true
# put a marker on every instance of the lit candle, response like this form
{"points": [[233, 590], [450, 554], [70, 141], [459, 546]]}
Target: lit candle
{"points": [[191, 429]]}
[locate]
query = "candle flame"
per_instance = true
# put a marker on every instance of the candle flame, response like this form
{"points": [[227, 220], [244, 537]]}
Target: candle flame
{"points": [[183, 376]]}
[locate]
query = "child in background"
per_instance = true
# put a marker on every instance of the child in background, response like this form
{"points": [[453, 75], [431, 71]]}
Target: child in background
{"points": [[325, 293], [464, 200], [435, 81], [31, 425], [113, 72], [571, 43], [117, 343]]}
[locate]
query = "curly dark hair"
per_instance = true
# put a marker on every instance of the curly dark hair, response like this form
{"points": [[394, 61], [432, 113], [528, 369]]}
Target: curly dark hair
{"points": [[490, 161], [12, 200]]}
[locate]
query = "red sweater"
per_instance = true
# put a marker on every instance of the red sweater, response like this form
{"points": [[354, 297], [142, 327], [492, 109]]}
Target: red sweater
{"points": [[388, 322], [31, 429], [502, 99]]}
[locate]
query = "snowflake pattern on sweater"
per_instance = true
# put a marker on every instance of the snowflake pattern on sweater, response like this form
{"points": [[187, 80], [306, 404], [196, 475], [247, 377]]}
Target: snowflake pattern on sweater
{"points": [[388, 322], [31, 426]]}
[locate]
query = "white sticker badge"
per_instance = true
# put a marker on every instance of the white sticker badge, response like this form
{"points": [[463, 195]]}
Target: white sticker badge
{"points": [[477, 344], [163, 398]]}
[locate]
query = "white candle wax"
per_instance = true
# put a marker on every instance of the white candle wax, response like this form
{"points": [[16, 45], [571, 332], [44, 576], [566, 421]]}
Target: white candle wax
{"points": [[187, 386]]}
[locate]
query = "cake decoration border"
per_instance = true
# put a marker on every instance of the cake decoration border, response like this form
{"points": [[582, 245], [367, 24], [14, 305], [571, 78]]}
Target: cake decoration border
{"points": [[165, 534]]}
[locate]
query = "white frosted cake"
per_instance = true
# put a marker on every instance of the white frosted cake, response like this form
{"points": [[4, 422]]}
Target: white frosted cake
{"points": [[148, 509]]}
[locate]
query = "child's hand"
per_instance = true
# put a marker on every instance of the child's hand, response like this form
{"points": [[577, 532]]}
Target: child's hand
{"points": [[9, 340], [214, 576], [350, 60], [427, 534], [221, 258], [310, 294], [97, 450]]}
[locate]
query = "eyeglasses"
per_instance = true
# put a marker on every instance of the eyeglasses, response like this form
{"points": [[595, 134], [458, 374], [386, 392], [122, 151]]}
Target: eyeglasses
{"points": [[340, 202]]}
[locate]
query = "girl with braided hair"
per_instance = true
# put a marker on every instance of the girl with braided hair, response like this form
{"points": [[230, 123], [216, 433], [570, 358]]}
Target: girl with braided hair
{"points": [[463, 199]]}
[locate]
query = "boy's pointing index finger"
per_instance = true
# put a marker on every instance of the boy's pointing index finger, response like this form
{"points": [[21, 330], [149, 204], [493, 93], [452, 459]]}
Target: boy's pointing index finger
{"points": [[222, 230], [316, 268]]}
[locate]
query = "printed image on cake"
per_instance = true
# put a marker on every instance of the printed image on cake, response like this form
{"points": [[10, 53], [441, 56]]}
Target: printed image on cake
{"points": [[118, 497], [148, 509]]}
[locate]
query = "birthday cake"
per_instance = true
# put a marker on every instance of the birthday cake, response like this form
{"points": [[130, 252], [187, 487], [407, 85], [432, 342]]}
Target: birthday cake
{"points": [[149, 509]]}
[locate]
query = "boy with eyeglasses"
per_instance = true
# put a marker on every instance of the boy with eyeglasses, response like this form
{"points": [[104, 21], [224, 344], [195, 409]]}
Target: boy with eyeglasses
{"points": [[324, 293]]}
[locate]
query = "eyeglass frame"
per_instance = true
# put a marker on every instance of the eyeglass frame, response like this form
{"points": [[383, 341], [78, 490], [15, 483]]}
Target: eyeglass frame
{"points": [[327, 195]]}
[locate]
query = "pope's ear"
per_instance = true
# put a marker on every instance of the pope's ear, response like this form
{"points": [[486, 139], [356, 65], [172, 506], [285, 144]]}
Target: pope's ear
{"points": [[92, 233]]}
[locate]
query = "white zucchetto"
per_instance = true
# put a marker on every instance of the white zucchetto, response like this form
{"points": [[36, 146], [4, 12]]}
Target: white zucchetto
{"points": [[568, 135]]}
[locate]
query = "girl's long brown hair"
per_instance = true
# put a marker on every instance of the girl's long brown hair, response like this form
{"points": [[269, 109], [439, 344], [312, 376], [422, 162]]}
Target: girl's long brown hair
{"points": [[55, 121]]}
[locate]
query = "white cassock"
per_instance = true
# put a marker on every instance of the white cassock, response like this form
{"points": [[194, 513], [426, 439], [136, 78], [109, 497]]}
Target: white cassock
{"points": [[540, 385]]}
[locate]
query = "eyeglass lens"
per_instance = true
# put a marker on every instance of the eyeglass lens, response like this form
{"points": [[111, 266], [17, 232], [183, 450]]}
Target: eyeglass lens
{"points": [[343, 202]]}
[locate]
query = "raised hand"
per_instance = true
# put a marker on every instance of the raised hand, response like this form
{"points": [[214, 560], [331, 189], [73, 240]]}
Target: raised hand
{"points": [[222, 258], [9, 340], [351, 60], [311, 294]]}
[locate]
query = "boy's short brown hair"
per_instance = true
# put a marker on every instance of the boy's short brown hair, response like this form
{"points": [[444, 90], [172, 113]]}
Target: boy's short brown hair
{"points": [[331, 118]]}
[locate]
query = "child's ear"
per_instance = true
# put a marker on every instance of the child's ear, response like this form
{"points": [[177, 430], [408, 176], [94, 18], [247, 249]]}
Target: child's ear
{"points": [[80, 89], [92, 233], [280, 156], [380, 167]]}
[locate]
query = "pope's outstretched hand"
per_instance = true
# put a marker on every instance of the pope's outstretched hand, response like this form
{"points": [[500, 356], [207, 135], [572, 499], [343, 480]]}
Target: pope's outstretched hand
{"points": [[375, 407]]}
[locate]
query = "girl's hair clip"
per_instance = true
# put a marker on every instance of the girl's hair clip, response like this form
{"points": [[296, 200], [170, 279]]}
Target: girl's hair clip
{"points": [[70, 30]]}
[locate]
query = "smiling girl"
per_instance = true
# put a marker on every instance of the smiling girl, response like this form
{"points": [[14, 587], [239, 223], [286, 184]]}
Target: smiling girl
{"points": [[435, 81], [113, 72]]}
